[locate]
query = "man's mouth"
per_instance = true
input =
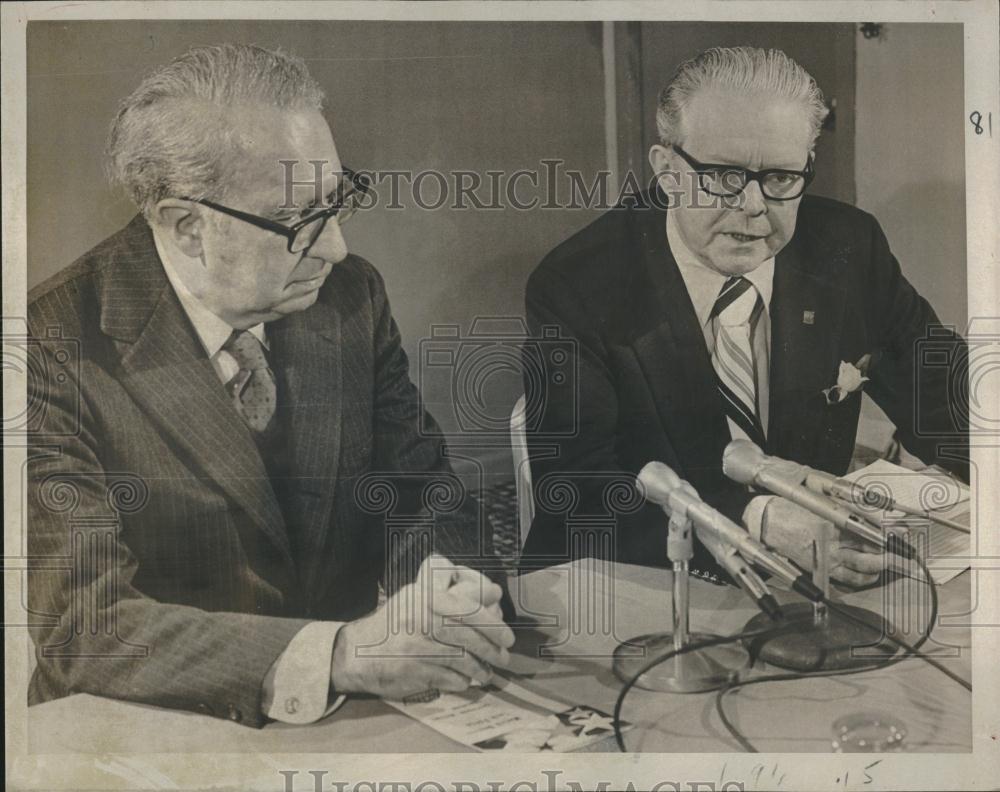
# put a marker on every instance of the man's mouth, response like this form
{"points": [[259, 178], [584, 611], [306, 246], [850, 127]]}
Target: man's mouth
{"points": [[743, 238], [314, 282]]}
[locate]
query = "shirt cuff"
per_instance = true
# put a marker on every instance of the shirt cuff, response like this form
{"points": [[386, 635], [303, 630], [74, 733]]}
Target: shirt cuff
{"points": [[753, 516], [297, 686]]}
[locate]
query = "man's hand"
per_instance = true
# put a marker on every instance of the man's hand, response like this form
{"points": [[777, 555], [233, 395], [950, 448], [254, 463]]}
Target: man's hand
{"points": [[791, 530], [445, 631]]}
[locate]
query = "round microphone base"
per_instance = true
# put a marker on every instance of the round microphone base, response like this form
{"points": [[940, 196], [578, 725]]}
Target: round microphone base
{"points": [[836, 644], [693, 672]]}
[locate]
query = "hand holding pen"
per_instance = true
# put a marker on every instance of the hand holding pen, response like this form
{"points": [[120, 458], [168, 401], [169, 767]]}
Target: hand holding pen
{"points": [[444, 631]]}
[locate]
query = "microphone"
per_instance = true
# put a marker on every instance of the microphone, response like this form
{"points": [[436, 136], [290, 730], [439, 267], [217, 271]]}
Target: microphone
{"points": [[861, 500], [664, 487], [742, 573], [745, 463]]}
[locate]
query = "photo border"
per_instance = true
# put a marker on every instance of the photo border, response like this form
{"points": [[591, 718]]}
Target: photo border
{"points": [[980, 768]]}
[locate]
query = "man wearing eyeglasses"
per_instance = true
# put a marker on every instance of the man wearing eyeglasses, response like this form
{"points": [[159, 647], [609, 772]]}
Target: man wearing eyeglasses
{"points": [[727, 304], [240, 375]]}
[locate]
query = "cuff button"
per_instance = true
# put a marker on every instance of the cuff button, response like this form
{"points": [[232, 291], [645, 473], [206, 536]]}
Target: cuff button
{"points": [[204, 709], [235, 714], [291, 705]]}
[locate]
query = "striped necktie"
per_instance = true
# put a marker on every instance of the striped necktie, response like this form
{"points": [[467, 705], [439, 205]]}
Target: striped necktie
{"points": [[252, 389], [736, 310]]}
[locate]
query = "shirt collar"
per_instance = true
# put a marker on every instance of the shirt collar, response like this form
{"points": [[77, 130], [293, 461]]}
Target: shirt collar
{"points": [[704, 284], [212, 331]]}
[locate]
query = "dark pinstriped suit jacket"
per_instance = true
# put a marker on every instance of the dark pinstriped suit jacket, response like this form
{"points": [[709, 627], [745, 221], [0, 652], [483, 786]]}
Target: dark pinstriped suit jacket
{"points": [[188, 595]]}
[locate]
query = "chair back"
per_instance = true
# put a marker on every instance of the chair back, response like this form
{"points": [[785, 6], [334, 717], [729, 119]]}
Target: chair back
{"points": [[522, 469]]}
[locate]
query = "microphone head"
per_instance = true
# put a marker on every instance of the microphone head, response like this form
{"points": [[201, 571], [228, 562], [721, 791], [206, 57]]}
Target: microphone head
{"points": [[656, 481], [742, 460]]}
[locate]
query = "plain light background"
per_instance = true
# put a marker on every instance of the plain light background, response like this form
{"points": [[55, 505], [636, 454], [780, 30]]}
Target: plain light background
{"points": [[503, 96], [910, 155]]}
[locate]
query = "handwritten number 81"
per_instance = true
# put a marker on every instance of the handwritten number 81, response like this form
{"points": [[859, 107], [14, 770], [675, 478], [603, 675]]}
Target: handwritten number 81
{"points": [[977, 122]]}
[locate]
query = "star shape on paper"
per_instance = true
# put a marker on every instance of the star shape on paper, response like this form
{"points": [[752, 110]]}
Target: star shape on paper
{"points": [[590, 721]]}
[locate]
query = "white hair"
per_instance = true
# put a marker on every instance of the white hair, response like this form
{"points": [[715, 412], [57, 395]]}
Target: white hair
{"points": [[174, 136], [749, 71]]}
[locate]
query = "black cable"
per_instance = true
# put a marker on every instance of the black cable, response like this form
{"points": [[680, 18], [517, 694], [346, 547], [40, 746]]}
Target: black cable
{"points": [[911, 651], [787, 676], [748, 635]]}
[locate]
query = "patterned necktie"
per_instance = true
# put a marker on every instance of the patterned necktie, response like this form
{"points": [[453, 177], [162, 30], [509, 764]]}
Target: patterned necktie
{"points": [[252, 389], [736, 309]]}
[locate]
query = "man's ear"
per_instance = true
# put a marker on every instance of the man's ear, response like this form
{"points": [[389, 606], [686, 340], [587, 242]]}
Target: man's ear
{"points": [[668, 177], [663, 162], [659, 158], [183, 222]]}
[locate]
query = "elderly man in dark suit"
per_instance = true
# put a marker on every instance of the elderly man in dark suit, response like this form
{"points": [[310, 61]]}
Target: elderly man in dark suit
{"points": [[728, 304], [220, 458]]}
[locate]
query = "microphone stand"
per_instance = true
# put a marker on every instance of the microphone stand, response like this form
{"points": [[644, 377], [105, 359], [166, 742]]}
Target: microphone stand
{"points": [[825, 640], [693, 672]]}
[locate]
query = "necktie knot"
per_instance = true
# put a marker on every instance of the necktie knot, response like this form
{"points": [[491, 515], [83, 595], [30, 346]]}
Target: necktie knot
{"points": [[247, 350], [736, 302], [253, 388]]}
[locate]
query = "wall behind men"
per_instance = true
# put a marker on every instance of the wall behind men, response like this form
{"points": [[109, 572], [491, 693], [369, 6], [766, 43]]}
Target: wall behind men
{"points": [[401, 96], [911, 155]]}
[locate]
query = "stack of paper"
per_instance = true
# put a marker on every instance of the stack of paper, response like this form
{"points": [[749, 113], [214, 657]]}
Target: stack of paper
{"points": [[947, 550]]}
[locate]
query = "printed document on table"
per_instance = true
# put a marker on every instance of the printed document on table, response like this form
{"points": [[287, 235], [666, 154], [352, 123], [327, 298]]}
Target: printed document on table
{"points": [[947, 550], [508, 717]]}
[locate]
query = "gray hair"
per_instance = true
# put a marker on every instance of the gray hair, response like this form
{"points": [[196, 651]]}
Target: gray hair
{"points": [[174, 136], [746, 70]]}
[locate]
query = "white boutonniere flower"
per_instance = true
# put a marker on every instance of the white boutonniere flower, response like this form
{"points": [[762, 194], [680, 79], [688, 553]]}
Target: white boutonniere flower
{"points": [[850, 378]]}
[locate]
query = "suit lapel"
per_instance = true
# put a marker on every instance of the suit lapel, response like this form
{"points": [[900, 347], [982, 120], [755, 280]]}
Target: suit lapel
{"points": [[807, 309], [306, 355], [165, 369], [806, 313], [675, 359]]}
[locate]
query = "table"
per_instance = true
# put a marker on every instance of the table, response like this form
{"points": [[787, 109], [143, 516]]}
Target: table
{"points": [[574, 617]]}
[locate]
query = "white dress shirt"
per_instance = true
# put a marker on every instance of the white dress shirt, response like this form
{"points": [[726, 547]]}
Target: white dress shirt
{"points": [[297, 686], [703, 287]]}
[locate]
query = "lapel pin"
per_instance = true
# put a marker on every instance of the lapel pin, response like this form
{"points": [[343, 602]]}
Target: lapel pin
{"points": [[808, 317]]}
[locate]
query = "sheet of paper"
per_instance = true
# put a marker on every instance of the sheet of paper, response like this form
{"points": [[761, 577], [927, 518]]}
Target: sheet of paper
{"points": [[947, 551], [917, 489], [508, 717]]}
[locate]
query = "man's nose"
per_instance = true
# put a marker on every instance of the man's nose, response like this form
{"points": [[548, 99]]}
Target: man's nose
{"points": [[330, 244], [752, 199]]}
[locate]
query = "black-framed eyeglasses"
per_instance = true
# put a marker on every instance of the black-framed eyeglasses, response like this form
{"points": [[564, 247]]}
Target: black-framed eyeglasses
{"points": [[343, 202], [727, 181]]}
